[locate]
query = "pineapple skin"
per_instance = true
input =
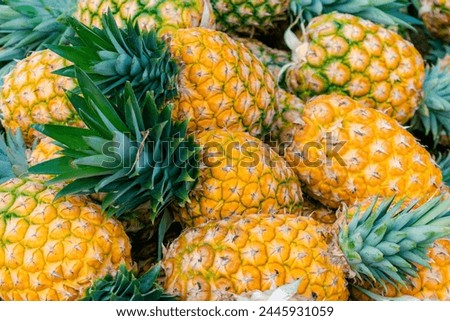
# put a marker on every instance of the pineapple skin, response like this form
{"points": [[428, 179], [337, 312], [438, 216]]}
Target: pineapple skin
{"points": [[221, 83], [54, 250], [31, 94], [346, 152], [160, 15], [240, 175], [355, 57], [250, 16], [253, 252], [44, 150], [273, 59], [435, 15]]}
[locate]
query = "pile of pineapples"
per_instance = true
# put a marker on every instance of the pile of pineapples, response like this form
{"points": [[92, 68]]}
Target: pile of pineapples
{"points": [[219, 150]]}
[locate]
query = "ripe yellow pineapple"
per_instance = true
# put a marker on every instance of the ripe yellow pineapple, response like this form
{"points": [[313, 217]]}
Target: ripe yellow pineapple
{"points": [[212, 79], [256, 16], [436, 17], [44, 150], [262, 251], [239, 175], [51, 249], [346, 152], [341, 53], [31, 94], [162, 15]]}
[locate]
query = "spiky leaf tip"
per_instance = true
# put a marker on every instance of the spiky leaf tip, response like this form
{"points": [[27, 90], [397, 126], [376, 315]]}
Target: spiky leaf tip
{"points": [[131, 151], [443, 161], [31, 25], [13, 160], [125, 286], [388, 13], [433, 115], [112, 56], [384, 243]]}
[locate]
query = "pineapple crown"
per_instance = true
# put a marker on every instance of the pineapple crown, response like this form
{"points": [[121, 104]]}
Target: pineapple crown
{"points": [[443, 162], [388, 12], [433, 115], [113, 56], [383, 243], [125, 286], [30, 25], [131, 151], [13, 160]]}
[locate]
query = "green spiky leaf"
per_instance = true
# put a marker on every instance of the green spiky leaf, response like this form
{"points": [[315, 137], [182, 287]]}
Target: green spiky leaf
{"points": [[384, 243], [433, 116], [112, 56], [130, 150], [13, 161], [125, 286], [30, 25], [443, 162], [385, 12]]}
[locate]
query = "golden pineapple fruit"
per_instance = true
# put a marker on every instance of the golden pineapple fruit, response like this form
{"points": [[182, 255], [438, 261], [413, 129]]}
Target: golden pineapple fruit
{"points": [[32, 94], [239, 175], [164, 16], [346, 152], [54, 250], [341, 53]]}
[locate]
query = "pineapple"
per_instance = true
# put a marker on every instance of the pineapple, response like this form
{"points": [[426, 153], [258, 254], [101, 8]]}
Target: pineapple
{"points": [[125, 286], [346, 152], [345, 54], [219, 82], [273, 59], [436, 17], [262, 251], [43, 150], [31, 25], [32, 94], [256, 16], [432, 281], [51, 249], [433, 115], [162, 15], [238, 173]]}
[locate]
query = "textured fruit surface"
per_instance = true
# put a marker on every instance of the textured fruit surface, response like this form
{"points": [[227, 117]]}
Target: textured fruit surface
{"points": [[160, 15], [239, 175], [31, 94], [253, 252], [54, 250], [44, 150], [272, 58], [345, 152], [221, 83], [288, 117], [249, 16], [436, 17], [349, 55]]}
